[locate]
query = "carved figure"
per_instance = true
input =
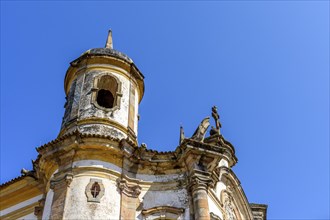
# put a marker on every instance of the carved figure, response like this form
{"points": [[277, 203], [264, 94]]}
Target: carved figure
{"points": [[201, 130]]}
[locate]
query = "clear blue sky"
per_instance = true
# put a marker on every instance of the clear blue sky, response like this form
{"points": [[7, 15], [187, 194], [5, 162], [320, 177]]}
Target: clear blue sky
{"points": [[265, 64]]}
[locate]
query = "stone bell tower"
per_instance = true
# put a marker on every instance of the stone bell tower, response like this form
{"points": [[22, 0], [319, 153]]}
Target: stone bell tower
{"points": [[83, 166], [103, 88]]}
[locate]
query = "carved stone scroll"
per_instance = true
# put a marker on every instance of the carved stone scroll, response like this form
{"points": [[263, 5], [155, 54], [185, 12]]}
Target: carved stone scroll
{"points": [[201, 130], [129, 190], [129, 199]]}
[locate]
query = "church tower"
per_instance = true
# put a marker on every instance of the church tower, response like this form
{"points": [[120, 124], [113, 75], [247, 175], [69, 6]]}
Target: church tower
{"points": [[95, 168], [104, 89]]}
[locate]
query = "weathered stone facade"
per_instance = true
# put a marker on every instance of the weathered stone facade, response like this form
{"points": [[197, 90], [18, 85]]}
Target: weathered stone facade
{"points": [[95, 169]]}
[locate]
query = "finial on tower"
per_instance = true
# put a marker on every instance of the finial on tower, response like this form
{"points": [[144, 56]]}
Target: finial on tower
{"points": [[109, 40]]}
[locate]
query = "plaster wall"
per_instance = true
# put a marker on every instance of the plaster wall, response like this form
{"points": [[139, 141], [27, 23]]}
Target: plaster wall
{"points": [[160, 178], [48, 204], [143, 177], [175, 198], [20, 205], [77, 207], [213, 207], [219, 187], [30, 216]]}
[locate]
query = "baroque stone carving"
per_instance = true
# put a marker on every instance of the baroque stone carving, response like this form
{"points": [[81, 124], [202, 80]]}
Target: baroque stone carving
{"points": [[129, 190], [94, 190], [228, 205], [200, 181], [214, 216], [201, 130], [163, 212], [98, 85], [67, 178], [39, 209]]}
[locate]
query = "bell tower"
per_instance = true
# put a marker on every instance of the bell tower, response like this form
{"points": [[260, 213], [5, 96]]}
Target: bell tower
{"points": [[103, 90], [82, 167]]}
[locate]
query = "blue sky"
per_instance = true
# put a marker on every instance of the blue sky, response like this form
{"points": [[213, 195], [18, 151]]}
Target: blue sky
{"points": [[265, 64]]}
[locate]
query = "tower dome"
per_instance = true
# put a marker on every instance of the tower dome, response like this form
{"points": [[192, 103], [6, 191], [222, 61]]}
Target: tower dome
{"points": [[103, 90]]}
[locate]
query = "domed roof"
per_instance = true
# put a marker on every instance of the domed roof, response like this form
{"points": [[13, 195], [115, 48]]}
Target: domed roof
{"points": [[109, 52], [106, 55], [106, 51]]}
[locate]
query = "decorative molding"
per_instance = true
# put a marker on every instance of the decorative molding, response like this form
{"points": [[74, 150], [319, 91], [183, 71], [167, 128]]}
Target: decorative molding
{"points": [[117, 96], [67, 178], [88, 190], [38, 210], [259, 211], [162, 212], [129, 189], [234, 188], [214, 216], [200, 180], [20, 212], [213, 196], [228, 204]]}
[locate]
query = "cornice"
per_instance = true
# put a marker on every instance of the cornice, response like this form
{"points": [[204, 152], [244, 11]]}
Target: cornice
{"points": [[137, 155], [14, 180], [28, 177], [80, 135], [163, 210]]}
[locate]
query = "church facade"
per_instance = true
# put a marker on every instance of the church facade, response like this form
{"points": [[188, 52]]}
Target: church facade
{"points": [[95, 168]]}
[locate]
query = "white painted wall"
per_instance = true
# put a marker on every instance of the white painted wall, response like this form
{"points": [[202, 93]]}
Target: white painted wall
{"points": [[213, 207], [113, 167], [174, 198], [30, 216], [219, 187], [48, 204], [77, 207]]}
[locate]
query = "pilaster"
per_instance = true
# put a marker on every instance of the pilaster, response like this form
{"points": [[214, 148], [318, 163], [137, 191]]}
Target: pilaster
{"points": [[199, 182], [60, 187], [129, 199]]}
